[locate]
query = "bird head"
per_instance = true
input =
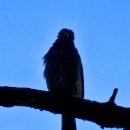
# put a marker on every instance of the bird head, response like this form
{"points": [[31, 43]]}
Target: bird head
{"points": [[66, 34]]}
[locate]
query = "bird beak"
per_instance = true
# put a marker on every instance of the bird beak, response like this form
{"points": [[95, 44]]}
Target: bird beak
{"points": [[66, 34]]}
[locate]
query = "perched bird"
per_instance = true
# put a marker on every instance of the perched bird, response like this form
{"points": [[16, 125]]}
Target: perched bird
{"points": [[64, 71]]}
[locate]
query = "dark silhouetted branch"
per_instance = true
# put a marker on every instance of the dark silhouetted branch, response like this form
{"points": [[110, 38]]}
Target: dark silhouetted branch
{"points": [[104, 114], [112, 98]]}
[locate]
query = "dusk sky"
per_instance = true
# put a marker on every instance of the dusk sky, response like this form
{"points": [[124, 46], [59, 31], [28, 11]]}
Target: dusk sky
{"points": [[28, 28]]}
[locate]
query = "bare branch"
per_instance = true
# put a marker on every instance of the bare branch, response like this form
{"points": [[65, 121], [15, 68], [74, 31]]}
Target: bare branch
{"points": [[112, 98], [104, 114]]}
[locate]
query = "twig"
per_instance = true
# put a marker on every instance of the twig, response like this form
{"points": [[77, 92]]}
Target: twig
{"points": [[112, 98]]}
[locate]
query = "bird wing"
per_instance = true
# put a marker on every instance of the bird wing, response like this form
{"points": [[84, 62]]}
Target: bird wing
{"points": [[80, 81]]}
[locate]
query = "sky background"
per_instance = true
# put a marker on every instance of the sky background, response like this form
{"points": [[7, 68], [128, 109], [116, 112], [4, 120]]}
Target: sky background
{"points": [[102, 35]]}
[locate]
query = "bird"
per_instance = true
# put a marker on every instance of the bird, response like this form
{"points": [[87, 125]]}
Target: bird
{"points": [[64, 71]]}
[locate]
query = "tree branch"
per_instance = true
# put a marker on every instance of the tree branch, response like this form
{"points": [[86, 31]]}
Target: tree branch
{"points": [[112, 98], [106, 114]]}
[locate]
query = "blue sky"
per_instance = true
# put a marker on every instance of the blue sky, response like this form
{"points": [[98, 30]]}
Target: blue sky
{"points": [[28, 29]]}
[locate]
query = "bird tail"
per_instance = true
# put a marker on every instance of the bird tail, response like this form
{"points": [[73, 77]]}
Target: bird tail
{"points": [[68, 122]]}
